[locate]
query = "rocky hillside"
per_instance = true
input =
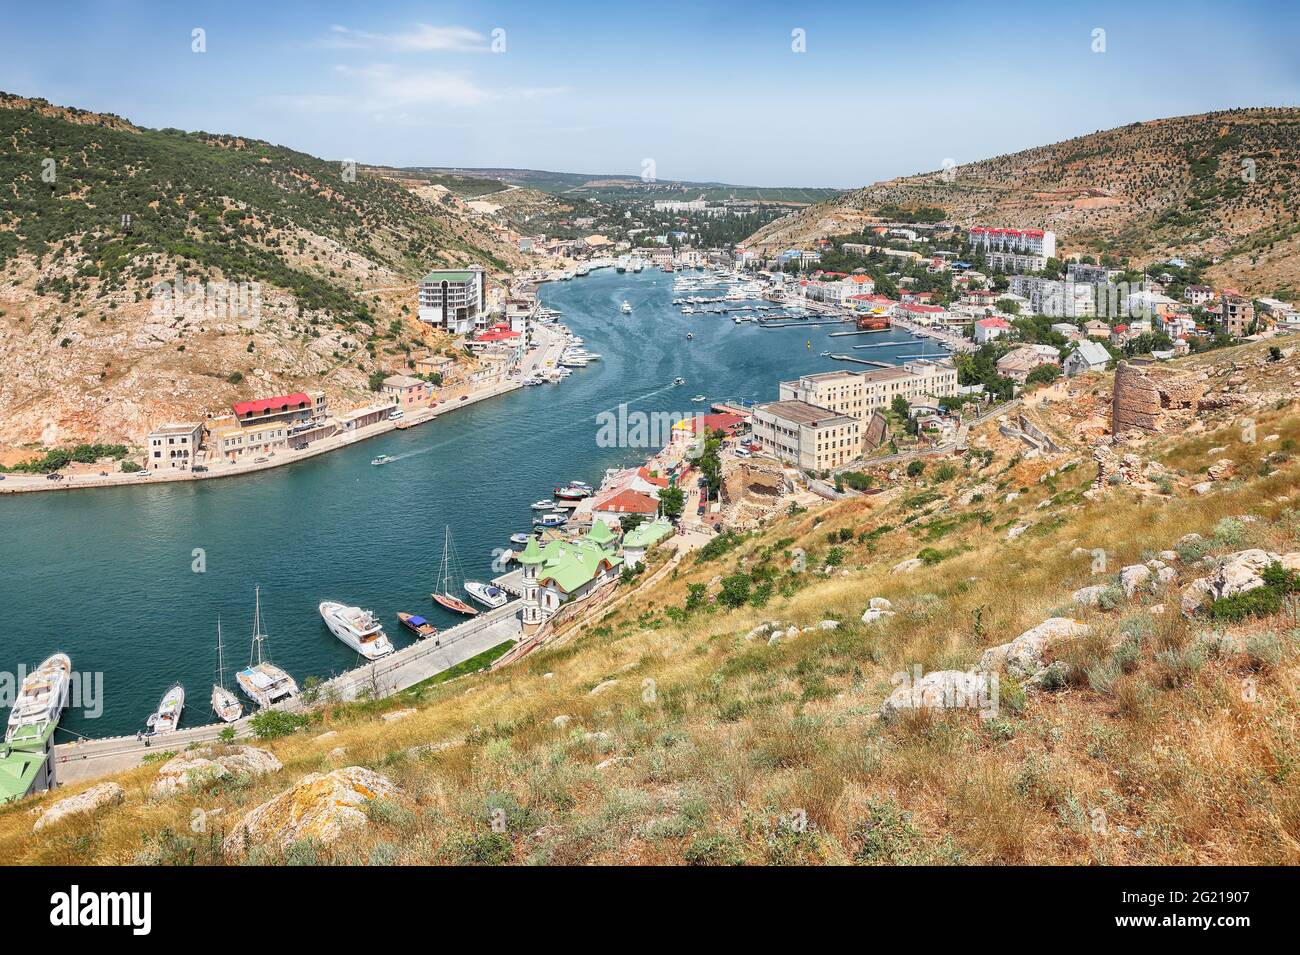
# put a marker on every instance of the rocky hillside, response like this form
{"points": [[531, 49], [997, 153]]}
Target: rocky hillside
{"points": [[1219, 184], [1134, 596], [99, 212]]}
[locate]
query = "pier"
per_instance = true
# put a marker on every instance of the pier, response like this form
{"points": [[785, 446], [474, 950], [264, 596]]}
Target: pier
{"points": [[863, 361], [88, 759]]}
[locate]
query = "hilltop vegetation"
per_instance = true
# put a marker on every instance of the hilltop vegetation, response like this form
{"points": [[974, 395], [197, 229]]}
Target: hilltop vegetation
{"points": [[1218, 184], [100, 211], [681, 728]]}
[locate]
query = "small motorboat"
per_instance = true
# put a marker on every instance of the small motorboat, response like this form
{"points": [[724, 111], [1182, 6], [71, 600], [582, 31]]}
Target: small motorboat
{"points": [[168, 715], [571, 493], [679, 381], [486, 594], [383, 459], [690, 336], [699, 398], [626, 307], [549, 520], [542, 505], [519, 538], [826, 354], [417, 625]]}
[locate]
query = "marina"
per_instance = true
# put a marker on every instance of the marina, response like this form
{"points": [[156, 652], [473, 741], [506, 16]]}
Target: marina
{"points": [[166, 560]]}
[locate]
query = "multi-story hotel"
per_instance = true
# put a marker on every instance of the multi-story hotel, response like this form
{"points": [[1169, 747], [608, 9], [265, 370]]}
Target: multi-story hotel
{"points": [[454, 299], [859, 393], [1020, 250]]}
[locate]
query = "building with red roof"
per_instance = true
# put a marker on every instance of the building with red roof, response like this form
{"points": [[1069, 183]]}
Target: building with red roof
{"points": [[298, 406]]}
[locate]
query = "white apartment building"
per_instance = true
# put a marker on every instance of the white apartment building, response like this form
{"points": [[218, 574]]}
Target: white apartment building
{"points": [[1031, 241], [454, 299], [859, 393]]}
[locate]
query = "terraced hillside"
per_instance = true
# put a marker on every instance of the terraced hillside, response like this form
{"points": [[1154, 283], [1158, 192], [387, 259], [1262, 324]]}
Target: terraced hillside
{"points": [[1223, 185]]}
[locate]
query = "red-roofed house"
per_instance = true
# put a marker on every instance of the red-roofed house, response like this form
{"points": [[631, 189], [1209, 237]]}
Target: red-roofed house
{"points": [[298, 406], [611, 508], [920, 313], [987, 329]]}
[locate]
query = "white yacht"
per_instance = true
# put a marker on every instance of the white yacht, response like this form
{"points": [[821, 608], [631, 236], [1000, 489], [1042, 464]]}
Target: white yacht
{"points": [[486, 594], [544, 505], [262, 681], [626, 307], [168, 715], [43, 695], [359, 629]]}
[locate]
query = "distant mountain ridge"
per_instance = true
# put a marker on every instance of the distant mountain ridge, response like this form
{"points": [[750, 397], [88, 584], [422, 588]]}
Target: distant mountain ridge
{"points": [[1224, 184]]}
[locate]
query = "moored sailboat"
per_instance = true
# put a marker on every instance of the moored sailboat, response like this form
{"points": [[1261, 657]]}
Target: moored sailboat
{"points": [[262, 681], [224, 703], [443, 595]]}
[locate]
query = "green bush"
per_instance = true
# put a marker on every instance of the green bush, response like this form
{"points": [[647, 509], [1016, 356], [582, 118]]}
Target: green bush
{"points": [[272, 724]]}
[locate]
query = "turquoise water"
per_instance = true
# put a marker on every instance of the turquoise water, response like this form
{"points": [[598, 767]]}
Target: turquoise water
{"points": [[105, 575]]}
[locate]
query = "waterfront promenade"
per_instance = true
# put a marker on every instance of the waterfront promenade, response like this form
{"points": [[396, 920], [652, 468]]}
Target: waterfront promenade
{"points": [[548, 347]]}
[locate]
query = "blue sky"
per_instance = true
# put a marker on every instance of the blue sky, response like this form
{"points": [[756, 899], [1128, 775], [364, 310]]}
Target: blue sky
{"points": [[709, 91]]}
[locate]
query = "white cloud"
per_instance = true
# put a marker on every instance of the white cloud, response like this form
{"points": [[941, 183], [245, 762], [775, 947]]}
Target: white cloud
{"points": [[382, 85], [420, 38]]}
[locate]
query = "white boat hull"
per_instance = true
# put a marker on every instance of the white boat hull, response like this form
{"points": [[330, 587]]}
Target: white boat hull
{"points": [[372, 649]]}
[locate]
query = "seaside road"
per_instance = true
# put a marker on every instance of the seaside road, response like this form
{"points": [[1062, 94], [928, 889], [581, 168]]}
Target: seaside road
{"points": [[89, 759]]}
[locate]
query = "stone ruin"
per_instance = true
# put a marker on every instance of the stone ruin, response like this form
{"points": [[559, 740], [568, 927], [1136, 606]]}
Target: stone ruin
{"points": [[1148, 398]]}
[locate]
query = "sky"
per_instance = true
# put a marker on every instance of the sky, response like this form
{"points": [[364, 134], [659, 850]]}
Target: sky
{"points": [[751, 93]]}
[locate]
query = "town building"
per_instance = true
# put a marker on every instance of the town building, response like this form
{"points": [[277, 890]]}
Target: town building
{"points": [[641, 538], [454, 299], [612, 507], [236, 441], [1085, 357], [173, 447], [564, 571], [805, 435], [1236, 314], [1197, 294], [1018, 250], [298, 408], [987, 329], [1019, 362], [405, 392]]}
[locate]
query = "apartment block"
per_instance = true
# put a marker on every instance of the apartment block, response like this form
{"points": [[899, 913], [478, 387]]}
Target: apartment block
{"points": [[809, 437], [454, 299]]}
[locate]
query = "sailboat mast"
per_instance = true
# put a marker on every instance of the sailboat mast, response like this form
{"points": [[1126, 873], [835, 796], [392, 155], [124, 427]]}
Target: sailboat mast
{"points": [[221, 665]]}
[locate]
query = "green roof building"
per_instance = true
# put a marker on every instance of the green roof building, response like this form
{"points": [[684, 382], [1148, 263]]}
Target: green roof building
{"points": [[27, 761], [566, 570], [642, 537]]}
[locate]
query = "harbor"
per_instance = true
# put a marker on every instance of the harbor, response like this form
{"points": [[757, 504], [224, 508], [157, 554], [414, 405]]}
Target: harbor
{"points": [[165, 560]]}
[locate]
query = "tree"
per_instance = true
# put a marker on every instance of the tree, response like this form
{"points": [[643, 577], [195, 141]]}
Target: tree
{"points": [[377, 380], [899, 406], [672, 500], [1044, 374]]}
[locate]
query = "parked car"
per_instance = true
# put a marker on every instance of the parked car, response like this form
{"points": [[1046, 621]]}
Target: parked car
{"points": [[464, 397], [396, 413], [199, 467], [54, 476], [261, 460]]}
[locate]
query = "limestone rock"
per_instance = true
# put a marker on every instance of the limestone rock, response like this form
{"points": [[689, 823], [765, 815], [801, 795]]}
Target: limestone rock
{"points": [[1023, 657], [601, 687], [1237, 574], [1134, 576], [942, 689], [906, 566], [321, 807], [96, 797], [398, 715], [1088, 596], [205, 765]]}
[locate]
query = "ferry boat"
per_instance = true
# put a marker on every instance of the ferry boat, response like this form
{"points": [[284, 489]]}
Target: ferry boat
{"points": [[537, 506], [263, 682], [626, 307], [168, 715], [417, 625], [224, 703], [443, 596], [549, 520], [43, 695], [486, 594], [357, 628], [382, 459]]}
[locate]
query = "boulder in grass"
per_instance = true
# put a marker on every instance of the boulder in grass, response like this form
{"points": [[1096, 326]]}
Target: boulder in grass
{"points": [[92, 799], [206, 764], [1022, 658]]}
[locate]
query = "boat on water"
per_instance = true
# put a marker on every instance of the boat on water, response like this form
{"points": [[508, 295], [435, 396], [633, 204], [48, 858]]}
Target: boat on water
{"points": [[572, 493], [549, 520], [545, 505], [626, 307], [262, 681], [443, 595], [417, 625], [357, 628], [486, 594], [679, 381], [43, 696], [167, 717], [690, 336], [699, 398], [224, 703], [519, 538], [826, 354], [383, 459]]}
